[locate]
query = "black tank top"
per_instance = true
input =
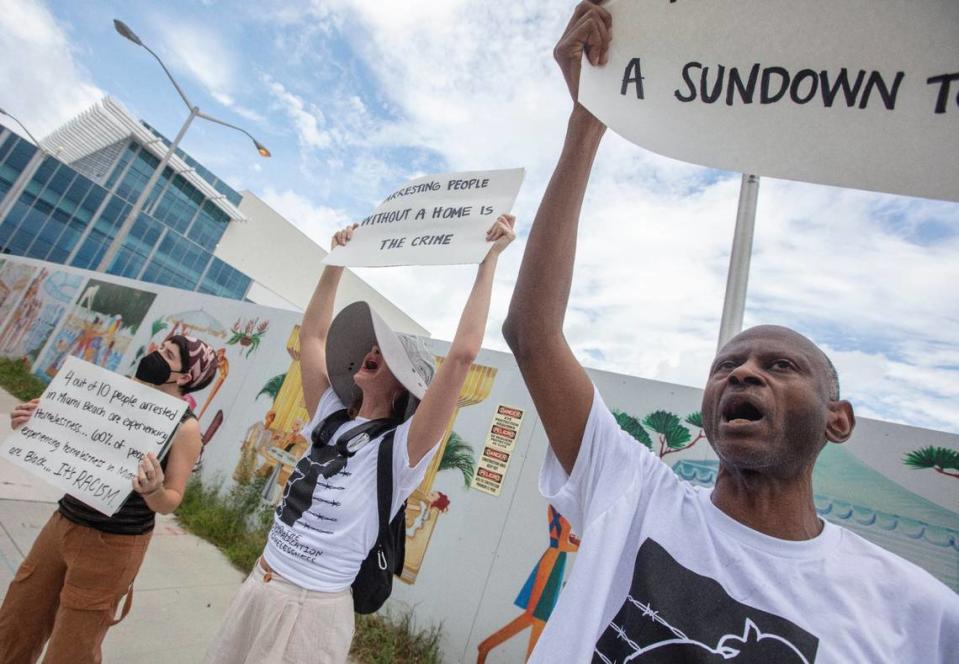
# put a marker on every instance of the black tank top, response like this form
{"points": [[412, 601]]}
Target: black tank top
{"points": [[133, 518]]}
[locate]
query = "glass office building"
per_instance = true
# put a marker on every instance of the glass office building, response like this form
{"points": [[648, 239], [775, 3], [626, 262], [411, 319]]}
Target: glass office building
{"points": [[67, 209]]}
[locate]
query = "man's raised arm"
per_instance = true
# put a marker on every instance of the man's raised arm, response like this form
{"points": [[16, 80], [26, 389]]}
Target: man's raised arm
{"points": [[561, 390]]}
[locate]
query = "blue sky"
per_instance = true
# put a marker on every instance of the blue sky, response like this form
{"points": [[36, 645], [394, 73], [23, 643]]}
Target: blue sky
{"points": [[355, 96], [288, 82]]}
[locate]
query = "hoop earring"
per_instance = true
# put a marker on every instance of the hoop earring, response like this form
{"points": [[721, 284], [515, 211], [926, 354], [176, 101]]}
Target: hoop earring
{"points": [[393, 404]]}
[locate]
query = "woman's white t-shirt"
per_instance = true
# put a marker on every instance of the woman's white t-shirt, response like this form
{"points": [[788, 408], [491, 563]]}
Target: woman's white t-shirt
{"points": [[325, 545]]}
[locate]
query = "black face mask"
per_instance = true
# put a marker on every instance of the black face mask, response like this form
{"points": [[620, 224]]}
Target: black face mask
{"points": [[154, 369]]}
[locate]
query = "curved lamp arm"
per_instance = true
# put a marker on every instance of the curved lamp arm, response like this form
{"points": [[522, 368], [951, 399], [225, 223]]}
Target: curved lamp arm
{"points": [[22, 126], [127, 33], [264, 152], [186, 100]]}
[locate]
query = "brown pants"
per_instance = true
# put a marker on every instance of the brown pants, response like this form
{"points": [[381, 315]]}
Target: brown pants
{"points": [[67, 590]]}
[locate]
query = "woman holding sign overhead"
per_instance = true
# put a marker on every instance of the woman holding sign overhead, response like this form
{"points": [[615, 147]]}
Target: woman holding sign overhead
{"points": [[67, 590], [377, 415]]}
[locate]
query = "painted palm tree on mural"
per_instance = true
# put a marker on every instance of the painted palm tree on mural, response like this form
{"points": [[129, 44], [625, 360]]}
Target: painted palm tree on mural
{"points": [[272, 387], [940, 459], [671, 435], [458, 455], [633, 427]]}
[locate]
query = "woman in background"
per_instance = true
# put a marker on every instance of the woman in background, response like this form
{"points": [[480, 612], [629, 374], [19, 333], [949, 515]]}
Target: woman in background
{"points": [[67, 590]]}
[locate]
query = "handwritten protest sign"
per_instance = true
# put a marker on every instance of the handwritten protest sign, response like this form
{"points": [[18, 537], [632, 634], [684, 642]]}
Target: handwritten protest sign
{"points": [[498, 450], [90, 431], [432, 220], [854, 93]]}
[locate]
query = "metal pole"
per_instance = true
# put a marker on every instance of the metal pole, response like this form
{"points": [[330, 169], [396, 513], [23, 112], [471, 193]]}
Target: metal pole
{"points": [[737, 280], [130, 219], [22, 126]]}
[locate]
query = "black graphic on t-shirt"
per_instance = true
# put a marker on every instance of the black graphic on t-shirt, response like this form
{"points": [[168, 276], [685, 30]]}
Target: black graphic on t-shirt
{"points": [[673, 615], [322, 462]]}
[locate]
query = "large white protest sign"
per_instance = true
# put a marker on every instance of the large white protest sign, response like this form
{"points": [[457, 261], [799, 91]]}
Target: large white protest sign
{"points": [[433, 220], [90, 431], [854, 93]]}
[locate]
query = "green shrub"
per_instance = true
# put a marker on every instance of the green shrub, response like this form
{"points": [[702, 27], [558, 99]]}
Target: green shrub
{"points": [[15, 378], [237, 522], [386, 639]]}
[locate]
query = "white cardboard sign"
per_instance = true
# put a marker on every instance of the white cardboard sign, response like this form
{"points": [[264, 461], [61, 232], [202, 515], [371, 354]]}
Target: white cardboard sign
{"points": [[90, 431], [432, 220], [854, 93]]}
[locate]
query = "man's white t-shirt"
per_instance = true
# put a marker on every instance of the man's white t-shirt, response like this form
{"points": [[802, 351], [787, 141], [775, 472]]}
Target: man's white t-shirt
{"points": [[662, 575], [320, 538]]}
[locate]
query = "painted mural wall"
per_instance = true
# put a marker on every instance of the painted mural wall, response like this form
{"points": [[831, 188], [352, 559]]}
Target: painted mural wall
{"points": [[486, 556], [49, 311]]}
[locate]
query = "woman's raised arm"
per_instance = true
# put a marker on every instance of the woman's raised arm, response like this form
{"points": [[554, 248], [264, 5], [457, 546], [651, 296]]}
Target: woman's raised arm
{"points": [[316, 324], [438, 404]]}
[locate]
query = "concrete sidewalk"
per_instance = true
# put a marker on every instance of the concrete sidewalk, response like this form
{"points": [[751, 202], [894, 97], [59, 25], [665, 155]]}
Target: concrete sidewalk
{"points": [[181, 593]]}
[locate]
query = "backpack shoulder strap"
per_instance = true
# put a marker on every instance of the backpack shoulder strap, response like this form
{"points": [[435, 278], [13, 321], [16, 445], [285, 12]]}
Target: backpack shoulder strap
{"points": [[373, 430], [384, 482], [324, 431]]}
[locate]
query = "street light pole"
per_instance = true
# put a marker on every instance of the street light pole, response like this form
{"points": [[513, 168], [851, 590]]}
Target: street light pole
{"points": [[195, 112], [734, 304], [22, 126]]}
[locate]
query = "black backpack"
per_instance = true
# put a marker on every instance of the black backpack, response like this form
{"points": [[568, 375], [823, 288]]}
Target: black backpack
{"points": [[374, 582]]}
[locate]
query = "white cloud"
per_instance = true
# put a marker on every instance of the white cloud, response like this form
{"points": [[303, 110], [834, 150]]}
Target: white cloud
{"points": [[205, 55], [201, 52], [307, 118], [316, 221], [44, 83], [247, 113], [224, 99]]}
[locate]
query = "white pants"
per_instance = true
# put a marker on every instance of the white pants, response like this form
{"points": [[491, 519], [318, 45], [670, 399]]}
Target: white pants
{"points": [[273, 621]]}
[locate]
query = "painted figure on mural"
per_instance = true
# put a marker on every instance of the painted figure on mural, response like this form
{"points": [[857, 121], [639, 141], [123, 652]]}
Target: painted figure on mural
{"points": [[74, 343], [419, 510], [541, 590], [223, 371], [107, 341], [292, 441], [89, 332], [289, 441], [100, 327], [15, 279], [38, 313], [94, 343], [26, 313]]}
